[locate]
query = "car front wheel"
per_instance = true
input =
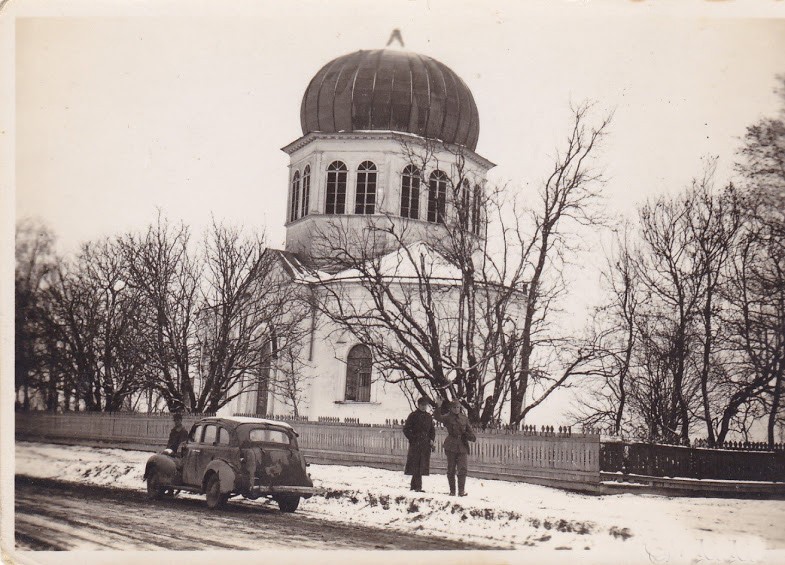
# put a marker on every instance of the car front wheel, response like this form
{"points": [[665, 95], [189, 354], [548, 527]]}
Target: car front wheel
{"points": [[288, 503], [155, 488], [215, 499]]}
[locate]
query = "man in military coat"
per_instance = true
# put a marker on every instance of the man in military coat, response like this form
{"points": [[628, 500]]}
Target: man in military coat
{"points": [[177, 435], [420, 432], [456, 444]]}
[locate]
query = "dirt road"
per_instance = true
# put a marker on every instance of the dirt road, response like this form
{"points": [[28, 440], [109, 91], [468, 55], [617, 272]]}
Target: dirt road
{"points": [[57, 516]]}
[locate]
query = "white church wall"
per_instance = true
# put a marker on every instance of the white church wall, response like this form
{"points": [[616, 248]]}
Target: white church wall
{"points": [[324, 356], [327, 387]]}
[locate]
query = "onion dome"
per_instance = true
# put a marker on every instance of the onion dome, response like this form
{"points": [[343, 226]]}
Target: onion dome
{"points": [[387, 89]]}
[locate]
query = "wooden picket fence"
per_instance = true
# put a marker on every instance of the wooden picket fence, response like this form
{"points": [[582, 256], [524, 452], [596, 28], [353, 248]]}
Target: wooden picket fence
{"points": [[151, 430], [548, 457], [551, 456]]}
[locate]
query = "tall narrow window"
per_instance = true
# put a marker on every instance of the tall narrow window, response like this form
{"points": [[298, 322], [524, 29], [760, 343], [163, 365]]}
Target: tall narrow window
{"points": [[306, 190], [294, 211], [476, 209], [358, 374], [336, 188], [265, 361], [437, 197], [365, 196], [464, 205], [410, 193]]}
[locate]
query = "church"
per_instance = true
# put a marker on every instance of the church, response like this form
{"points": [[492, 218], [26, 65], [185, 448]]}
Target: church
{"points": [[385, 134]]}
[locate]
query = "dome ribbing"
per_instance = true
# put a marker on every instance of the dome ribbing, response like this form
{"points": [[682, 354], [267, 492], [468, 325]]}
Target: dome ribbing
{"points": [[393, 90]]}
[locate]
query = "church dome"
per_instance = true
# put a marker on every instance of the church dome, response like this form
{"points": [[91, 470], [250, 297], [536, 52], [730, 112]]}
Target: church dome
{"points": [[386, 89]]}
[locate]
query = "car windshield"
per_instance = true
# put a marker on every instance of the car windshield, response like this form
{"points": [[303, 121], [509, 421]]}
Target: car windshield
{"points": [[267, 435]]}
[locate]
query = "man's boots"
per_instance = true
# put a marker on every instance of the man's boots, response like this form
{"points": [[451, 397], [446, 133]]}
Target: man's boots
{"points": [[451, 480], [461, 485]]}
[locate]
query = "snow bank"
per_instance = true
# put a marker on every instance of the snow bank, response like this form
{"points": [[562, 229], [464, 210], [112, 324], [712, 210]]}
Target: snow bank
{"points": [[623, 528]]}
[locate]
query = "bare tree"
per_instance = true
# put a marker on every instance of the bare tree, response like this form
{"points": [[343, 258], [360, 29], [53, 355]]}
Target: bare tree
{"points": [[435, 313], [459, 316], [760, 263], [757, 322], [292, 377], [567, 199], [714, 223], [94, 326], [250, 312], [161, 267], [668, 272], [682, 366], [35, 258], [604, 400]]}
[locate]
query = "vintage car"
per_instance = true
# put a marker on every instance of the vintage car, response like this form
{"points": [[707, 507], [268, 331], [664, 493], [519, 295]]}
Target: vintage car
{"points": [[225, 457]]}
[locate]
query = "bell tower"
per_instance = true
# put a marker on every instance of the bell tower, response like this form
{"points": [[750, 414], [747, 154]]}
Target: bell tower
{"points": [[386, 156]]}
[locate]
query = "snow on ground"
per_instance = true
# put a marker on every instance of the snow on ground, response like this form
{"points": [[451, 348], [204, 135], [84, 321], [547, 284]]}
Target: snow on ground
{"points": [[625, 528]]}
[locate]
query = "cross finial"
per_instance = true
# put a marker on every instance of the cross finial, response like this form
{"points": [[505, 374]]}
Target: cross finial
{"points": [[395, 35]]}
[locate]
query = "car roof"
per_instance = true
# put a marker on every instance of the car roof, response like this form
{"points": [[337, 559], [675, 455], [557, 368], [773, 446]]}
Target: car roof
{"points": [[234, 421]]}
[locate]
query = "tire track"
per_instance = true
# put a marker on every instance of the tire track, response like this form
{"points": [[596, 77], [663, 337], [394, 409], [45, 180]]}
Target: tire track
{"points": [[54, 515]]}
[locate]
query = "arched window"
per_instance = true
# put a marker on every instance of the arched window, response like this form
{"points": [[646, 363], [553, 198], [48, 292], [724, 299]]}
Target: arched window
{"points": [[437, 196], [477, 209], [306, 190], [294, 211], [365, 196], [336, 188], [410, 193], [358, 374]]}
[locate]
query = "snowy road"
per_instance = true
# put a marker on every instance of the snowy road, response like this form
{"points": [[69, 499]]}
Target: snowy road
{"points": [[539, 522], [57, 516]]}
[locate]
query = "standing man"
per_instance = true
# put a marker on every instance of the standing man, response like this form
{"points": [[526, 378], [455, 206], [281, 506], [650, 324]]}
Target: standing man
{"points": [[177, 436], [456, 444], [421, 434]]}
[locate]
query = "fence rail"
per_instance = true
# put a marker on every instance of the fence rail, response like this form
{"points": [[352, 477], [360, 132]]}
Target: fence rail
{"points": [[693, 463]]}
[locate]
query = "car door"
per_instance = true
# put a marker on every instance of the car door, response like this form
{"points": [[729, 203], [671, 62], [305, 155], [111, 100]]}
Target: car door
{"points": [[191, 456], [206, 450], [225, 449]]}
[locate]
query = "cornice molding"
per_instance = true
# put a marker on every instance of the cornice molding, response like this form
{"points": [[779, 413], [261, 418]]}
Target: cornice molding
{"points": [[381, 135]]}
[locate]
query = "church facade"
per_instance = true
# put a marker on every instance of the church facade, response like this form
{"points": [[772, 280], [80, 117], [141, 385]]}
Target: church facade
{"points": [[386, 136]]}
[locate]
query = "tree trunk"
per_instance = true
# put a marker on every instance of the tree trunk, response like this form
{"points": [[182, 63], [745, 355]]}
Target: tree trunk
{"points": [[707, 344], [775, 406], [518, 386]]}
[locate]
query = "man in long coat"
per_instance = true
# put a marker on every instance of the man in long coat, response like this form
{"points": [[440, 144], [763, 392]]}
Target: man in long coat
{"points": [[420, 432], [456, 444]]}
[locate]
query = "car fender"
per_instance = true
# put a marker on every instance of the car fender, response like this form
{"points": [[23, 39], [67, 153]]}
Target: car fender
{"points": [[226, 475], [165, 466]]}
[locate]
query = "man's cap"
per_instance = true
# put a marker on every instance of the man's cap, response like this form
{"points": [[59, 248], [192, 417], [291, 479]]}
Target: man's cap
{"points": [[177, 416], [422, 401]]}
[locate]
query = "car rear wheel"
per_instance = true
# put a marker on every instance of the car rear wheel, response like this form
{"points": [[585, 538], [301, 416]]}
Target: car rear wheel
{"points": [[155, 488], [215, 499], [288, 503]]}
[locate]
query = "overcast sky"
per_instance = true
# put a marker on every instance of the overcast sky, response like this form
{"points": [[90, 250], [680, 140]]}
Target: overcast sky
{"points": [[119, 114]]}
